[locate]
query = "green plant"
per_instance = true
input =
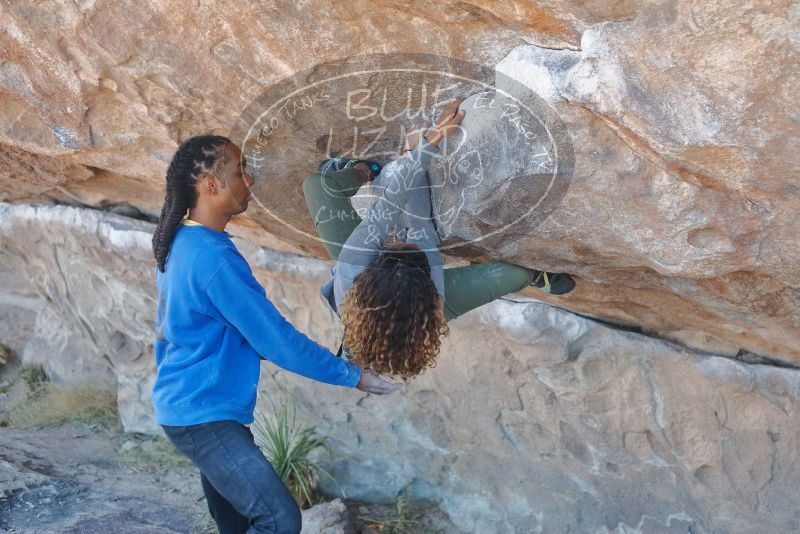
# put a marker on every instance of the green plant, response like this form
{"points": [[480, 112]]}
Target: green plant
{"points": [[399, 524], [204, 524], [34, 376], [287, 445], [5, 354]]}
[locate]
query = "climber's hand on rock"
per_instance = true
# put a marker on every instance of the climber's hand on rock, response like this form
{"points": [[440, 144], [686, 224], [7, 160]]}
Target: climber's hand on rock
{"points": [[374, 383], [412, 139], [449, 119]]}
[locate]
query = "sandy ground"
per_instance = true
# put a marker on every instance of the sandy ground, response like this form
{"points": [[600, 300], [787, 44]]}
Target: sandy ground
{"points": [[81, 478], [88, 476], [87, 483]]}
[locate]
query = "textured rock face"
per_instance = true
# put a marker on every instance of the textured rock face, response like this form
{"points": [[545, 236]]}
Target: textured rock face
{"points": [[96, 323], [682, 213], [502, 173], [680, 218], [95, 274], [532, 413], [327, 518], [685, 148]]}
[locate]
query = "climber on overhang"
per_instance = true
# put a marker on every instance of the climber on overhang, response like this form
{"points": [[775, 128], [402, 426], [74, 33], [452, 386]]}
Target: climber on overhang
{"points": [[388, 285]]}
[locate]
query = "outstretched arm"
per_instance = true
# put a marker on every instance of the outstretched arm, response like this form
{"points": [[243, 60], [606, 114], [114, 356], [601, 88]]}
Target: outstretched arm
{"points": [[240, 299]]}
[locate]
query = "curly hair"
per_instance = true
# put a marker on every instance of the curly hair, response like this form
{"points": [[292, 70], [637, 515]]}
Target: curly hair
{"points": [[194, 157], [392, 315]]}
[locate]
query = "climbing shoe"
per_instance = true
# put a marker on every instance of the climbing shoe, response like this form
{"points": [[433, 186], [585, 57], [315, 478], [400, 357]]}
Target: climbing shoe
{"points": [[553, 283], [338, 164]]}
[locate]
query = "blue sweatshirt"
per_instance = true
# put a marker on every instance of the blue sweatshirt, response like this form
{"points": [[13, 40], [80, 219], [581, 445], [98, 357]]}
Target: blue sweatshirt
{"points": [[214, 324]]}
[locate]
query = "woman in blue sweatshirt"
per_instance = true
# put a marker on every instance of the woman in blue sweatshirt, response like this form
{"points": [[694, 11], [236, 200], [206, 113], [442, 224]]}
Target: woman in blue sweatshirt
{"points": [[214, 325]]}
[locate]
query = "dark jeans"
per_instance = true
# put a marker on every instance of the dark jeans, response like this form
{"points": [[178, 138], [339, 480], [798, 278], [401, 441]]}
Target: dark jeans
{"points": [[243, 491]]}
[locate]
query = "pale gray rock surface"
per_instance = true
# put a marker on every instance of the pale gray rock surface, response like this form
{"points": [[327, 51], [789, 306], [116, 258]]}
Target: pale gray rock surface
{"points": [[534, 418], [327, 518], [503, 172], [71, 479]]}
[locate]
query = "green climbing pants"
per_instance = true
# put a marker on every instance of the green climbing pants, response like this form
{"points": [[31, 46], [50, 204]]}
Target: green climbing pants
{"points": [[466, 288]]}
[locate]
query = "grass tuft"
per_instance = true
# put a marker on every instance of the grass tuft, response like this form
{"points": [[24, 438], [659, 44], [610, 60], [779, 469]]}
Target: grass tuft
{"points": [[5, 354], [287, 446], [34, 376], [154, 454], [401, 523], [204, 524], [54, 404]]}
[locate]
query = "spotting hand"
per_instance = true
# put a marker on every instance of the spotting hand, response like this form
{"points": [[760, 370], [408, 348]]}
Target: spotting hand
{"points": [[374, 383], [449, 119]]}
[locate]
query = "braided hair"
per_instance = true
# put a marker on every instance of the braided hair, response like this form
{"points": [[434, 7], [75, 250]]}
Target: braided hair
{"points": [[195, 156]]}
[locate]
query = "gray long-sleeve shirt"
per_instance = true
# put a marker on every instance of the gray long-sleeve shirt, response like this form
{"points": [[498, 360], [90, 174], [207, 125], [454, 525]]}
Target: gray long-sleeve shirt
{"points": [[403, 208]]}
